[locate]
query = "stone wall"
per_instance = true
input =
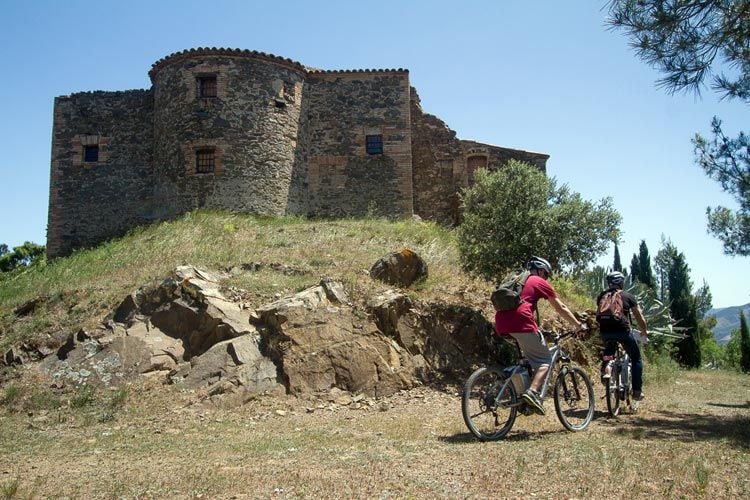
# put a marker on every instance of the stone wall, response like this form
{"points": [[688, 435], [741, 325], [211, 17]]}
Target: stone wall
{"points": [[343, 108], [97, 200], [251, 124], [252, 132], [437, 162]]}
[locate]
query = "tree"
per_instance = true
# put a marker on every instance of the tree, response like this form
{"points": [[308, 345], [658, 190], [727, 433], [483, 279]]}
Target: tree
{"points": [[683, 310], [645, 273], [732, 357], [517, 211], [617, 266], [744, 344], [640, 266], [703, 300], [635, 268], [727, 161], [3, 249], [663, 263], [21, 256], [690, 42]]}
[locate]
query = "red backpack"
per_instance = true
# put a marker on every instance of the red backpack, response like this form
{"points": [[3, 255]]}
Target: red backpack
{"points": [[611, 311]]}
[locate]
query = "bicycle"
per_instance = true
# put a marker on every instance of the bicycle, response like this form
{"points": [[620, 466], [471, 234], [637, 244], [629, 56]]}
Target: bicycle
{"points": [[618, 388], [491, 400]]}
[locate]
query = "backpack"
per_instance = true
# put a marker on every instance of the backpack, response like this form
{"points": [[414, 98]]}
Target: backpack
{"points": [[507, 295], [611, 311]]}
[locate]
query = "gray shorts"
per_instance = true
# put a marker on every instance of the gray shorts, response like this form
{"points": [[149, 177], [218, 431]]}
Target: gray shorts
{"points": [[534, 347]]}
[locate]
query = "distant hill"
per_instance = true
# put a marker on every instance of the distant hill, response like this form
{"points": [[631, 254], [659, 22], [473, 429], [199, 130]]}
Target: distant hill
{"points": [[727, 319]]}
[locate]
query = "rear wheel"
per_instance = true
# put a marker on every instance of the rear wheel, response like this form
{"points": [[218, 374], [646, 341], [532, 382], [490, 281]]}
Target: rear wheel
{"points": [[613, 391], [574, 398], [488, 404]]}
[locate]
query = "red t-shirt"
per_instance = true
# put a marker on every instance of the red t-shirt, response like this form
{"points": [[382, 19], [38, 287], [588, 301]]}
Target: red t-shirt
{"points": [[522, 319]]}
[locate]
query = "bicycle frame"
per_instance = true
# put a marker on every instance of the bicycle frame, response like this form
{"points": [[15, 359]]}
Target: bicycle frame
{"points": [[558, 355], [490, 405]]}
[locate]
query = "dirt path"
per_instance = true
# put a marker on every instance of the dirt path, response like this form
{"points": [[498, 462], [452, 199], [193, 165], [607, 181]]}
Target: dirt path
{"points": [[691, 438]]}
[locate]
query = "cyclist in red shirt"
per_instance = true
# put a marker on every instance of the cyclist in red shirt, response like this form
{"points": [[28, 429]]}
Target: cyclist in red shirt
{"points": [[521, 325]]}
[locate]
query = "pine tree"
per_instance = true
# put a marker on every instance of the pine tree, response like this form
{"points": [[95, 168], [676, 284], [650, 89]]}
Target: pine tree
{"points": [[692, 43], [744, 344], [617, 264]]}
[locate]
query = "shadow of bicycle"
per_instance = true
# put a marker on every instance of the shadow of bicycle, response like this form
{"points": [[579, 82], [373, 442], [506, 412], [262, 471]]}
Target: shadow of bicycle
{"points": [[513, 436]]}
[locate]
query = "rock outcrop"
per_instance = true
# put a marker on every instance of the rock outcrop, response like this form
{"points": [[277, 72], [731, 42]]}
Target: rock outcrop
{"points": [[187, 332]]}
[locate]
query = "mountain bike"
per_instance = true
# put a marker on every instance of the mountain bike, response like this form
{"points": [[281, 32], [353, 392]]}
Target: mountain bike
{"points": [[618, 388], [491, 399]]}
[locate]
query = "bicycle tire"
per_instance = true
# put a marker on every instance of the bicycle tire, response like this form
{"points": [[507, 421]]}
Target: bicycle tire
{"points": [[486, 415], [613, 391], [574, 398]]}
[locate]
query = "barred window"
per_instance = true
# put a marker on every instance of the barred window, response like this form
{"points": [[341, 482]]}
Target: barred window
{"points": [[91, 153], [207, 86], [374, 144], [205, 160]]}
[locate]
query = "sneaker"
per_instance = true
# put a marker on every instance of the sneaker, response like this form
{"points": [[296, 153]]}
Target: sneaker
{"points": [[638, 396], [532, 399]]}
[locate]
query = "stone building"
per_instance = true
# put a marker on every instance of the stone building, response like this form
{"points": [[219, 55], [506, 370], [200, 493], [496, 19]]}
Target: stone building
{"points": [[252, 132]]}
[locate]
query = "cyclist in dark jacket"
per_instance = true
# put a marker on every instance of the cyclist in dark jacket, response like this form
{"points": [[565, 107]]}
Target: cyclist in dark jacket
{"points": [[613, 332]]}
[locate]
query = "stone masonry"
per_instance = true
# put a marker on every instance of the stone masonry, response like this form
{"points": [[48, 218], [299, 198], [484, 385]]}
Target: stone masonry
{"points": [[251, 132]]}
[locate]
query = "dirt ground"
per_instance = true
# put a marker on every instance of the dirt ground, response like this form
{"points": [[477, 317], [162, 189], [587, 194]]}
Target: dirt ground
{"points": [[690, 439]]}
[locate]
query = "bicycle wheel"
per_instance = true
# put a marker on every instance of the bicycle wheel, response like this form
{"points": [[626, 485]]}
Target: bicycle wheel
{"points": [[488, 414], [574, 398], [613, 392]]}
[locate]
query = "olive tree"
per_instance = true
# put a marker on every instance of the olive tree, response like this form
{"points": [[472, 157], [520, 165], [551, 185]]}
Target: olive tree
{"points": [[517, 211]]}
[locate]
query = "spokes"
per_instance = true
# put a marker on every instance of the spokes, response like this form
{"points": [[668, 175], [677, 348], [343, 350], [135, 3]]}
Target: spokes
{"points": [[574, 399], [488, 404]]}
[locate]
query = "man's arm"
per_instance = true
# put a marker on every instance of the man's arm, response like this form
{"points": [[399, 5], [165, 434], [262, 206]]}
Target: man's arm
{"points": [[566, 313], [640, 320]]}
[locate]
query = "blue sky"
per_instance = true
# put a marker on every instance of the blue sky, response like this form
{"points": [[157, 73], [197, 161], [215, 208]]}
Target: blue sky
{"points": [[543, 76]]}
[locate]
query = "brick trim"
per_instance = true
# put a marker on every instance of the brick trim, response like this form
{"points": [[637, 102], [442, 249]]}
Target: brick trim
{"points": [[189, 150], [78, 144]]}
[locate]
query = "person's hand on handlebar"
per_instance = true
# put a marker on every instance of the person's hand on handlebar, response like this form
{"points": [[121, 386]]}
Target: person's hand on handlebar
{"points": [[582, 331]]}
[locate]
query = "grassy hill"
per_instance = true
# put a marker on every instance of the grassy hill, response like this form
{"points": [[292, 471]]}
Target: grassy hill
{"points": [[79, 291]]}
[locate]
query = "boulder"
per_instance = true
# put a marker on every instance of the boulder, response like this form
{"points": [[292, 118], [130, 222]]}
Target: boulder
{"points": [[399, 268], [228, 365], [319, 343]]}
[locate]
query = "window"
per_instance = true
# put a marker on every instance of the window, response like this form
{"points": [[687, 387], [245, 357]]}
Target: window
{"points": [[91, 153], [207, 86], [374, 144], [205, 161]]}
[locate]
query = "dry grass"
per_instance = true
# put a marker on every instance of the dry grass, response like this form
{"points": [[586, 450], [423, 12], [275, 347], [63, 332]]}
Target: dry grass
{"points": [[80, 290], [690, 440]]}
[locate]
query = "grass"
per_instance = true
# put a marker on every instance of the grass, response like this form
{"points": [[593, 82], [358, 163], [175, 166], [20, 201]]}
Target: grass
{"points": [[79, 290], [413, 446], [150, 441]]}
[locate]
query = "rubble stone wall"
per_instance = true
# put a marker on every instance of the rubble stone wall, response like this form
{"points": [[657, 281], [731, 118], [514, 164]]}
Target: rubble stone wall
{"points": [[92, 201], [256, 133]]}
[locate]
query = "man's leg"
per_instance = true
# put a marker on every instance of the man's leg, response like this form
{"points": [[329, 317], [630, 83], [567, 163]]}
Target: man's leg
{"points": [[536, 351], [636, 362]]}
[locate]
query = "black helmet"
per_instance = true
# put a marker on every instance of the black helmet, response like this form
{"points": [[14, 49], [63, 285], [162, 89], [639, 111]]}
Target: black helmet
{"points": [[539, 263], [615, 278]]}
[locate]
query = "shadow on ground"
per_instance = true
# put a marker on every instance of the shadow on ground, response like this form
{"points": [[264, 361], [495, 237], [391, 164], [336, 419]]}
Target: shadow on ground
{"points": [[689, 427]]}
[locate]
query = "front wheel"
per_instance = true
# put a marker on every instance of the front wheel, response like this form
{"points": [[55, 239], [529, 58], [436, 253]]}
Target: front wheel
{"points": [[574, 398], [488, 404]]}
